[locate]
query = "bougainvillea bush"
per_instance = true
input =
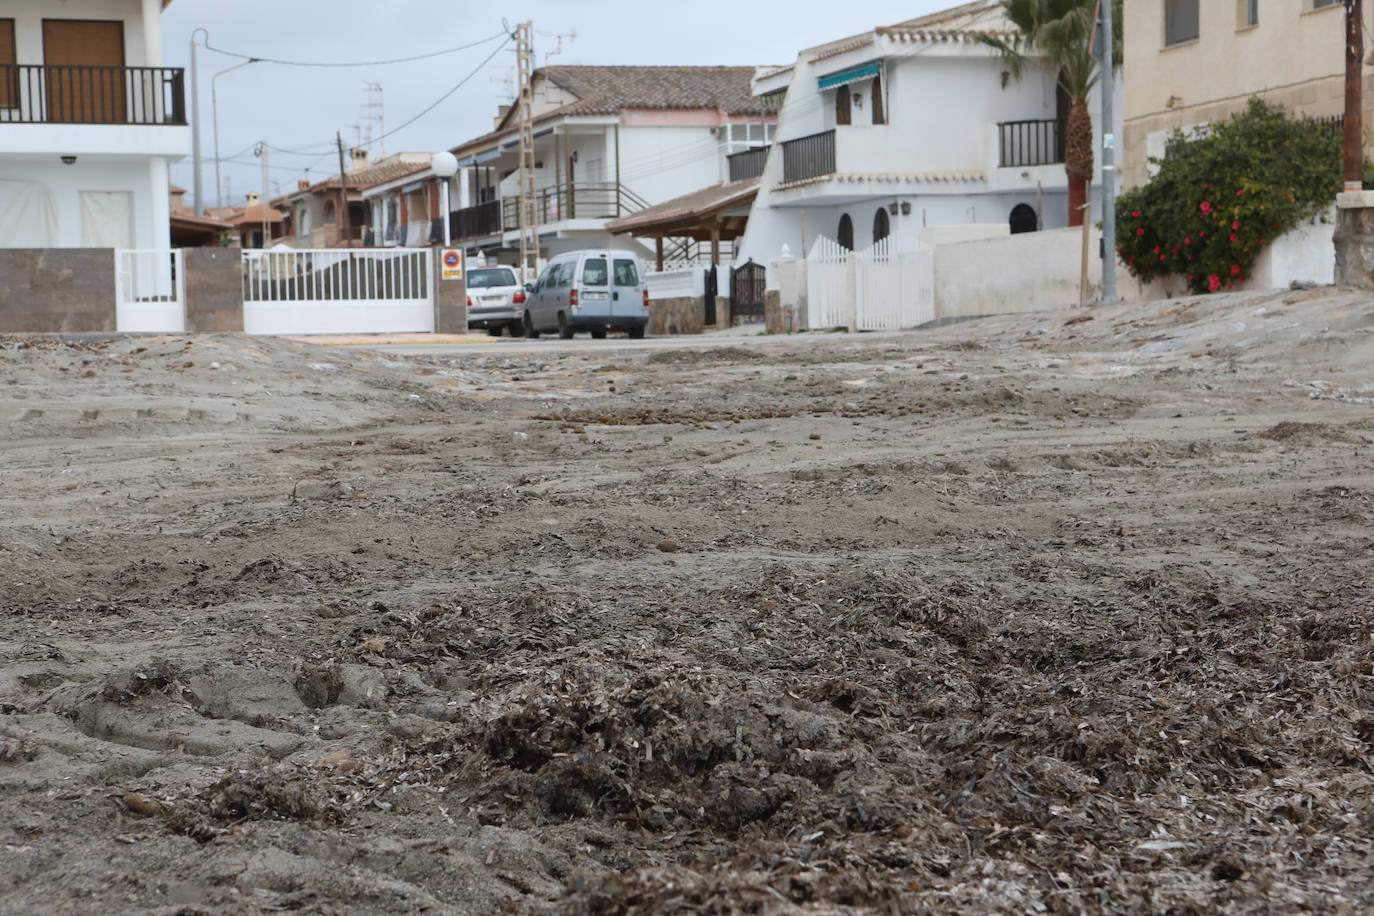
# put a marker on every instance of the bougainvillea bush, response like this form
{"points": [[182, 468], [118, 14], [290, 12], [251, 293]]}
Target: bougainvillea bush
{"points": [[1224, 191]]}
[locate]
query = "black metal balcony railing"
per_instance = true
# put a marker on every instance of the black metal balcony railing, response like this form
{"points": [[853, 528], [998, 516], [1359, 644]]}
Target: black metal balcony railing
{"points": [[1027, 143], [476, 222], [92, 95], [578, 200], [808, 157], [748, 164]]}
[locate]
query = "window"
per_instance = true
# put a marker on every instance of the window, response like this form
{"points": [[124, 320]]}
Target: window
{"points": [[1323, 4], [1180, 21], [9, 79], [1247, 14], [486, 278], [881, 227], [329, 215], [741, 137], [594, 272], [842, 100], [562, 275], [626, 272], [876, 94], [846, 238], [88, 86]]}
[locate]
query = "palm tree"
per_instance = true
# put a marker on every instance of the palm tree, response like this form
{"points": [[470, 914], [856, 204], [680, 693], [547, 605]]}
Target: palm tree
{"points": [[1056, 35]]}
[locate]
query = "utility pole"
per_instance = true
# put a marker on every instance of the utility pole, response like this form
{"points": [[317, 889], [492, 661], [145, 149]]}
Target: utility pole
{"points": [[529, 217], [262, 202], [342, 217], [1107, 86], [197, 200], [1354, 116]]}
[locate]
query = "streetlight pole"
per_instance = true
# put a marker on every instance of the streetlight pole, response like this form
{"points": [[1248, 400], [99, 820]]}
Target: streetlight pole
{"points": [[214, 106], [445, 166], [196, 194], [1108, 88]]}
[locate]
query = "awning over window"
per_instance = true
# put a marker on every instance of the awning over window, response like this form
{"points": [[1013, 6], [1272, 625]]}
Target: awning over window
{"points": [[852, 75]]}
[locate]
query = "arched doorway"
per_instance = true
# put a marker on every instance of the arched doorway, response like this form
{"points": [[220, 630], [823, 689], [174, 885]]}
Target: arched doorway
{"points": [[842, 102], [1023, 219], [846, 234], [881, 227]]}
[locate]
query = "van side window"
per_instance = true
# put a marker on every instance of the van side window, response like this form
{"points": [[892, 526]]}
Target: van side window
{"points": [[594, 272], [565, 271], [626, 273], [544, 280]]}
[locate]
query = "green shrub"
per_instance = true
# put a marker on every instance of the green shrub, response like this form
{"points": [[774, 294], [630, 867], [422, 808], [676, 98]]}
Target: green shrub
{"points": [[1223, 191]]}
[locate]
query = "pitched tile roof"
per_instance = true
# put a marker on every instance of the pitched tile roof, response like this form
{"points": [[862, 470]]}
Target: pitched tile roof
{"points": [[608, 90], [698, 203], [373, 175]]}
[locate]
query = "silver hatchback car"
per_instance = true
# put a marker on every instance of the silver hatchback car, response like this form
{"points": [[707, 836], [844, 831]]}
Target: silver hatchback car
{"points": [[496, 300]]}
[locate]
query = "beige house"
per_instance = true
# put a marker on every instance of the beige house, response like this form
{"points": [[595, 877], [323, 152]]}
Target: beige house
{"points": [[1192, 62]]}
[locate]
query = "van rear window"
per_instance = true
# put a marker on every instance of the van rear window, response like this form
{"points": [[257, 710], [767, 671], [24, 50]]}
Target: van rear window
{"points": [[594, 272], [626, 272]]}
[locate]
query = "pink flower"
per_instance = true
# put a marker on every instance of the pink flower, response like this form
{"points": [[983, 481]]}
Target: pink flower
{"points": [[1233, 237], [1188, 240], [1235, 270], [1235, 225], [1240, 192], [1140, 232], [1206, 208], [1135, 212], [1213, 283]]}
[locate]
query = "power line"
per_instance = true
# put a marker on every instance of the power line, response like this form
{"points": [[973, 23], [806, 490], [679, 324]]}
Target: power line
{"points": [[447, 95], [368, 63]]}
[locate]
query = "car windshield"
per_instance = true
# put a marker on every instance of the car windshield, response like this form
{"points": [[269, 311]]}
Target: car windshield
{"points": [[594, 272], [485, 278], [626, 273]]}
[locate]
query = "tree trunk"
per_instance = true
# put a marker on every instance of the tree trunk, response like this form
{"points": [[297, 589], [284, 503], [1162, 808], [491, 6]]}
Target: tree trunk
{"points": [[1078, 158]]}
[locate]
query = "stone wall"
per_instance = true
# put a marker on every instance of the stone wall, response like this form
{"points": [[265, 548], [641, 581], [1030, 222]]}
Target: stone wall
{"points": [[57, 290], [684, 315], [214, 289], [1354, 239], [451, 303]]}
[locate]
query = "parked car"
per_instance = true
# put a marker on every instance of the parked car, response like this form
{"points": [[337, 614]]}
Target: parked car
{"points": [[596, 290], [496, 300]]}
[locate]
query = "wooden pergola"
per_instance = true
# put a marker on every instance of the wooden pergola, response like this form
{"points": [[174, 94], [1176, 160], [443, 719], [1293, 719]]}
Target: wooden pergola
{"points": [[716, 214]]}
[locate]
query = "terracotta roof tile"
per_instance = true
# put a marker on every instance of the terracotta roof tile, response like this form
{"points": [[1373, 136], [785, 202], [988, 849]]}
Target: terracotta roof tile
{"points": [[607, 90], [716, 197]]}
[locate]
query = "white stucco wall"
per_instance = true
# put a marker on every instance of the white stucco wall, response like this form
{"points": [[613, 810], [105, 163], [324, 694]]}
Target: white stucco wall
{"points": [[146, 179], [943, 104]]}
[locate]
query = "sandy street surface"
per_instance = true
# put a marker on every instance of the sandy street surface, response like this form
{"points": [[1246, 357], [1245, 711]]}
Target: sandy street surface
{"points": [[1063, 613]]}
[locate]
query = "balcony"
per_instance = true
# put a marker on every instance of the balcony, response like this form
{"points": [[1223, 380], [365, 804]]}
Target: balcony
{"points": [[476, 222], [748, 164], [1022, 144], [808, 157], [591, 200], [141, 96]]}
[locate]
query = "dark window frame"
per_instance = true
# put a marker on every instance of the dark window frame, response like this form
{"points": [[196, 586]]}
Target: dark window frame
{"points": [[1176, 21]]}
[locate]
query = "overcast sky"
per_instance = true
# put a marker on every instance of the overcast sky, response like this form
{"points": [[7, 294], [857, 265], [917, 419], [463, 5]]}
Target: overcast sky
{"points": [[300, 109]]}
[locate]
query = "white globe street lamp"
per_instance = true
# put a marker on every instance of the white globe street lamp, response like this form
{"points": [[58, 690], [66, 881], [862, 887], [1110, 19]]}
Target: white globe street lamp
{"points": [[445, 166]]}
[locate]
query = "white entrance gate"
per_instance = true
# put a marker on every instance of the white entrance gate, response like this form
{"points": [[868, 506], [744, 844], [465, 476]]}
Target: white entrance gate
{"points": [[150, 291], [877, 289], [338, 291]]}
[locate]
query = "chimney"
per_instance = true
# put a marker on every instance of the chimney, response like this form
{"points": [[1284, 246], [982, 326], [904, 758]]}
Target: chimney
{"points": [[358, 160], [502, 112], [303, 184], [252, 198]]}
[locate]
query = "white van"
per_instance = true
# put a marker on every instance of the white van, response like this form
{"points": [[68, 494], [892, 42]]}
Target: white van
{"points": [[596, 290]]}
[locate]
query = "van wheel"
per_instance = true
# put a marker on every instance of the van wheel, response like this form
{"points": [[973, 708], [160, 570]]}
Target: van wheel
{"points": [[564, 332], [494, 331], [636, 333], [529, 330], [598, 335]]}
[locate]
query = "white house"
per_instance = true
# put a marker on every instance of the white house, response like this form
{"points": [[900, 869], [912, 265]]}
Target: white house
{"points": [[916, 127], [608, 141], [90, 121]]}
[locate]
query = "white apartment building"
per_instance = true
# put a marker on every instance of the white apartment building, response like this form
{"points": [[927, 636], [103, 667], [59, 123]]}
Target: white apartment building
{"points": [[90, 122]]}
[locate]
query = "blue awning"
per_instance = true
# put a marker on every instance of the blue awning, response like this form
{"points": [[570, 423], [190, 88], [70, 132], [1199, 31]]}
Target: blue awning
{"points": [[852, 75]]}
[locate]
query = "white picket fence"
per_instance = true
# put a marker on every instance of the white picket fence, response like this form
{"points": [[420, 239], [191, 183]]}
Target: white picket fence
{"points": [[150, 291], [338, 291], [878, 289]]}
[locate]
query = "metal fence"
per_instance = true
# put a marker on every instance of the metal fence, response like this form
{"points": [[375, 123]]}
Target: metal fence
{"points": [[92, 95], [338, 291], [1027, 143], [808, 157], [748, 164], [150, 291]]}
